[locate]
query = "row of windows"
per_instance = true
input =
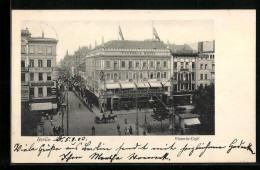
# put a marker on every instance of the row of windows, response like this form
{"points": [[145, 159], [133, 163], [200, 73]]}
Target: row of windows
{"points": [[183, 87], [32, 64], [40, 91], [184, 76], [206, 66], [114, 64], [40, 77], [205, 77], [207, 57], [175, 64], [37, 49], [135, 75]]}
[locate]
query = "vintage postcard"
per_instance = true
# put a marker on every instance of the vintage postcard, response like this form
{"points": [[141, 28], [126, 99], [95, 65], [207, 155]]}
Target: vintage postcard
{"points": [[139, 86]]}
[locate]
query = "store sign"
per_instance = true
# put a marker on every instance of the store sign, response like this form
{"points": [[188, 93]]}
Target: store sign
{"points": [[25, 93], [53, 91], [40, 69], [42, 83]]}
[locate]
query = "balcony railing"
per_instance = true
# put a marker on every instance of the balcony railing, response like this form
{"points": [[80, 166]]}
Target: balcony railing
{"points": [[24, 83], [184, 69], [24, 69]]}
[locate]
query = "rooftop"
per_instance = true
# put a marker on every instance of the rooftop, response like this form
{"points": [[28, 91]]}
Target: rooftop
{"points": [[131, 44], [181, 48]]}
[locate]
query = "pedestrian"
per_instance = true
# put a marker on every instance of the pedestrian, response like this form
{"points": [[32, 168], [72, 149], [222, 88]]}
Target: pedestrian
{"points": [[47, 115], [53, 129], [125, 130], [51, 117], [79, 105], [118, 128], [93, 130], [144, 132], [119, 132], [149, 129], [130, 130], [51, 122], [125, 120], [111, 112], [59, 130]]}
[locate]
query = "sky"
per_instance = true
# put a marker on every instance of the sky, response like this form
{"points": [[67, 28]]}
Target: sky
{"points": [[74, 34]]}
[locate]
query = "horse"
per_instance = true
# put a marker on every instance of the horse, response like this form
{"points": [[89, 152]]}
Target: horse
{"points": [[111, 117]]}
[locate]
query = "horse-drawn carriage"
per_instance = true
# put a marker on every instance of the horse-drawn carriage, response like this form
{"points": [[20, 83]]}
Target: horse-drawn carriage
{"points": [[102, 118]]}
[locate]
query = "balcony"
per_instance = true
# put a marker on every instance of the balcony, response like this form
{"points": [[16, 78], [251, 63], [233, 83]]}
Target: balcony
{"points": [[42, 83], [24, 69], [40, 69], [25, 83], [184, 69]]}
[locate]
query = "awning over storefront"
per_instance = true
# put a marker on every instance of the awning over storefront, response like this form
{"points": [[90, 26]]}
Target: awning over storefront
{"points": [[166, 84], [129, 85], [192, 121], [142, 85], [155, 84], [113, 86], [42, 106]]}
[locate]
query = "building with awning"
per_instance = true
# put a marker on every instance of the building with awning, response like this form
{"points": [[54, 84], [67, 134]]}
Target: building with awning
{"points": [[128, 85], [142, 85], [112, 86], [188, 120], [132, 64], [155, 84], [42, 106]]}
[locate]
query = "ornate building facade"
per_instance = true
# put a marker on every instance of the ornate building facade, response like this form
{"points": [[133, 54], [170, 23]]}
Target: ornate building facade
{"points": [[38, 62], [119, 72]]}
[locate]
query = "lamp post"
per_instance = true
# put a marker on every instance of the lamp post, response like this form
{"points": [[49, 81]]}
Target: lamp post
{"points": [[136, 103], [102, 78]]}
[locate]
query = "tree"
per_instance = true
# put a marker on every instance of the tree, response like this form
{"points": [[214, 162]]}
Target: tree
{"points": [[160, 112], [205, 106]]}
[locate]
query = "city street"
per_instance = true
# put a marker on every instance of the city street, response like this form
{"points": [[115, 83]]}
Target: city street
{"points": [[81, 121]]}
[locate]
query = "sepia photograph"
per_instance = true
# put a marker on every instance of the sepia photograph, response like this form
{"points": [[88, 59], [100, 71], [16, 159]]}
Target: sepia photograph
{"points": [[133, 86], [110, 79]]}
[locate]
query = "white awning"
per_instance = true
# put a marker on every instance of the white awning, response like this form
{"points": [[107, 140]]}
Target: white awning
{"points": [[142, 85], [166, 84], [129, 85], [41, 106], [193, 121], [155, 84], [113, 86]]}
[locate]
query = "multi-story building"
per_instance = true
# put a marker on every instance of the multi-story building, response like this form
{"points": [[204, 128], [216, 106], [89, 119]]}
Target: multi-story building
{"points": [[38, 62], [206, 63], [184, 73], [118, 72]]}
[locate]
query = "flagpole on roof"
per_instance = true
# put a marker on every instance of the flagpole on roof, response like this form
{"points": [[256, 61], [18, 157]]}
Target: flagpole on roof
{"points": [[152, 31]]}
